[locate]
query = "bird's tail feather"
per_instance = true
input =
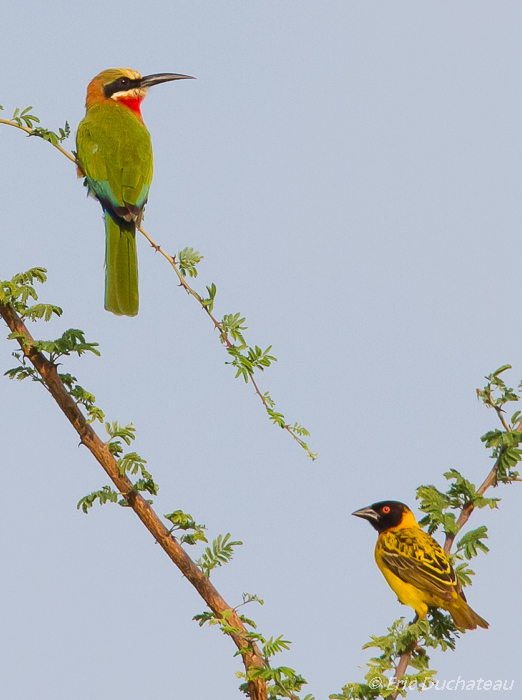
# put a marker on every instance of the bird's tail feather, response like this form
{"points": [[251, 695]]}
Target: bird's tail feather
{"points": [[466, 618], [121, 267]]}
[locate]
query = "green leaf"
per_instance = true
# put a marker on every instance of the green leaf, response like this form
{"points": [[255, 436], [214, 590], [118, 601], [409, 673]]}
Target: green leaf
{"points": [[39, 311], [233, 326], [184, 521], [205, 617], [71, 341], [274, 646], [116, 432], [51, 136], [20, 288], [251, 598], [209, 302], [25, 117], [188, 258], [131, 463], [464, 574], [103, 495], [83, 398], [221, 552], [435, 503], [299, 429], [472, 542], [23, 372]]}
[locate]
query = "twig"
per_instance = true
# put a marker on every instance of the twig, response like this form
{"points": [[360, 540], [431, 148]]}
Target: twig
{"points": [[402, 666], [30, 132], [223, 334], [490, 480]]}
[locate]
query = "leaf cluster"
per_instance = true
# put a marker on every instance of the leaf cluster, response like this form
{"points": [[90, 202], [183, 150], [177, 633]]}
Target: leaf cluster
{"points": [[25, 120], [106, 493], [18, 290], [246, 359], [436, 631], [24, 117], [83, 398], [71, 341], [188, 258], [438, 505], [52, 136], [128, 464], [504, 444], [16, 293], [184, 521], [282, 681], [220, 552], [246, 363]]}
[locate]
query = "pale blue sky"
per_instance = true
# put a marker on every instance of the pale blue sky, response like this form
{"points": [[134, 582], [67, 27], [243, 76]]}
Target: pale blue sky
{"points": [[352, 173]]}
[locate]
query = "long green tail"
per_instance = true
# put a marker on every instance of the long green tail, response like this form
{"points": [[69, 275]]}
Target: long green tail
{"points": [[121, 267]]}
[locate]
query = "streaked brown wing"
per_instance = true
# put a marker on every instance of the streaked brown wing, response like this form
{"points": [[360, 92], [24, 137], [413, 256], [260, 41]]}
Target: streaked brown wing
{"points": [[416, 558]]}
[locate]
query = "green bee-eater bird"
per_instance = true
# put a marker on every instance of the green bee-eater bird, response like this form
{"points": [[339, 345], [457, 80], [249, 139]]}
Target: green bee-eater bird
{"points": [[114, 154]]}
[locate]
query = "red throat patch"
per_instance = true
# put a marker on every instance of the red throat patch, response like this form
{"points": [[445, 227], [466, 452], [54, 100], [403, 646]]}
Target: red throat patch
{"points": [[132, 103]]}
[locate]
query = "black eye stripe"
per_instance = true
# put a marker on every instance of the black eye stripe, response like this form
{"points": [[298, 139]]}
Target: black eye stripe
{"points": [[120, 85]]}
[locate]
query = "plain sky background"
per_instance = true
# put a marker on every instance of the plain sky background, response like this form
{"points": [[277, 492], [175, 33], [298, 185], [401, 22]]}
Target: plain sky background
{"points": [[352, 172]]}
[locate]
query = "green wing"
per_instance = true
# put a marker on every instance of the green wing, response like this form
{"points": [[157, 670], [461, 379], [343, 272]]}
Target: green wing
{"points": [[115, 153], [416, 558]]}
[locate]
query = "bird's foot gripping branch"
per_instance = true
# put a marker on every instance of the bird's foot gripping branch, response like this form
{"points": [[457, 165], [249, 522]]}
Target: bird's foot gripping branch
{"points": [[133, 486], [247, 360], [405, 646]]}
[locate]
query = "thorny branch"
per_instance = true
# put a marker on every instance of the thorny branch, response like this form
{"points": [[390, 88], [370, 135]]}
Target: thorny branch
{"points": [[226, 340], [88, 437]]}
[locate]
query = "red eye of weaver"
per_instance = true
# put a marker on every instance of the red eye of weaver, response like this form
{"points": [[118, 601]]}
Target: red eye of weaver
{"points": [[386, 509]]}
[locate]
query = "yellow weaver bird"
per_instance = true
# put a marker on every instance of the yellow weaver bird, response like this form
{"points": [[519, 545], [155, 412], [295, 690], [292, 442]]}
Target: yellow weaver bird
{"points": [[415, 566]]}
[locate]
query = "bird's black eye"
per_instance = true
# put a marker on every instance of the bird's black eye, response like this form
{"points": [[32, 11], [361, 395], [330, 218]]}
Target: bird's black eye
{"points": [[120, 85]]}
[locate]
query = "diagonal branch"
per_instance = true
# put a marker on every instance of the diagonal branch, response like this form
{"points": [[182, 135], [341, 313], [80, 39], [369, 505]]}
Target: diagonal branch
{"points": [[100, 451]]}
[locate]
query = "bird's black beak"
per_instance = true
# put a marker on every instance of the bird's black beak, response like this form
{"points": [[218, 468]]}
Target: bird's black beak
{"points": [[149, 80], [367, 514]]}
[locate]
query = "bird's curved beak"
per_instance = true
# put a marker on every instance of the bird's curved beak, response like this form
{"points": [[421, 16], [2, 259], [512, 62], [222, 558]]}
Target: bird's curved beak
{"points": [[367, 514], [149, 80]]}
